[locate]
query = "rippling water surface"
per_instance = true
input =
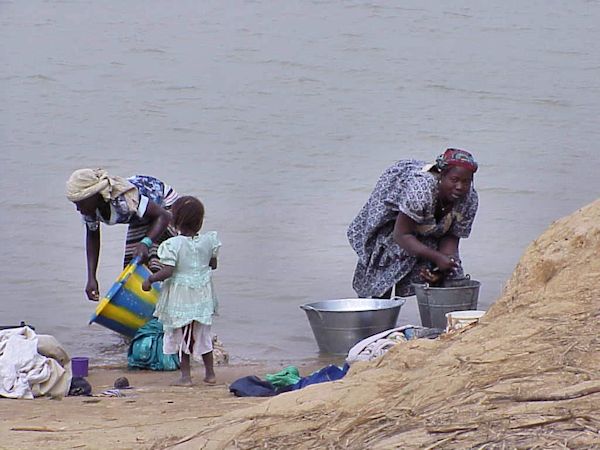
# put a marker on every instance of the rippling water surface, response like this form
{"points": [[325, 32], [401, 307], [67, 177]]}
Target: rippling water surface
{"points": [[281, 116]]}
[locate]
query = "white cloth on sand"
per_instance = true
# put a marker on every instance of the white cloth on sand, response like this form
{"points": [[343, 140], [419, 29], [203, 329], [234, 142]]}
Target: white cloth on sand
{"points": [[375, 346], [24, 370]]}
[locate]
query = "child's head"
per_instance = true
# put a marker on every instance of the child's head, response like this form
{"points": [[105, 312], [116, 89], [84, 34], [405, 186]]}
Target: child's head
{"points": [[188, 214]]}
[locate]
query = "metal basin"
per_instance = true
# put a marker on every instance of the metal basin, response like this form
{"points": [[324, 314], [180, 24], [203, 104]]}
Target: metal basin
{"points": [[339, 324]]}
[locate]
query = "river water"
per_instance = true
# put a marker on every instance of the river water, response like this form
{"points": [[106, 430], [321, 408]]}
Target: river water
{"points": [[280, 116]]}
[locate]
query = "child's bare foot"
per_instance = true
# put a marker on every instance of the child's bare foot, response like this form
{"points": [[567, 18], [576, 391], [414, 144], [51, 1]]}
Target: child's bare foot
{"points": [[210, 380], [209, 371], [182, 382]]}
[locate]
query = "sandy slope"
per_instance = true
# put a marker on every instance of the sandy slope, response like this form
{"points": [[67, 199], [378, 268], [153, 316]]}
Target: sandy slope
{"points": [[527, 376]]}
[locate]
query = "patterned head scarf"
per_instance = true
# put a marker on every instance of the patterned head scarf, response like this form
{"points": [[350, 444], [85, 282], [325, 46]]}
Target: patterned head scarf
{"points": [[457, 158], [84, 183]]}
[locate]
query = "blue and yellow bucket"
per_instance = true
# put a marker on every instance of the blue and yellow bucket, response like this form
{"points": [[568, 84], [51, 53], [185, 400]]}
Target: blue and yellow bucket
{"points": [[126, 307]]}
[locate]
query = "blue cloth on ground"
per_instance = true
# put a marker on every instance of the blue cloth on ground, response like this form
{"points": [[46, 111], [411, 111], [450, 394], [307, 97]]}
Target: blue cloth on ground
{"points": [[252, 386], [146, 349], [328, 373]]}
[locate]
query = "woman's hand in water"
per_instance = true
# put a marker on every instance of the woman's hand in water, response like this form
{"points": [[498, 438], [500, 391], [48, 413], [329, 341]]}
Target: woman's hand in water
{"points": [[431, 276], [446, 263], [91, 290], [147, 285]]}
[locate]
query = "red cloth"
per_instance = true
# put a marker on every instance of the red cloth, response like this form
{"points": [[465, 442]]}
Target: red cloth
{"points": [[456, 157]]}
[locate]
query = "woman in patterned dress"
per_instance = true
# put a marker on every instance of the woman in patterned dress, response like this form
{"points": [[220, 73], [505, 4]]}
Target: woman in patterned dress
{"points": [[140, 201], [409, 229]]}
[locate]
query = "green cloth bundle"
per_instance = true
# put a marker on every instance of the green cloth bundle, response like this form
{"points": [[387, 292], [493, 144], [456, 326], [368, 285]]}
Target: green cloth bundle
{"points": [[286, 377], [145, 350]]}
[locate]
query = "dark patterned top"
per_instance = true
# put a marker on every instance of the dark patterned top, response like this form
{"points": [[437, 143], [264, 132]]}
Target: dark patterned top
{"points": [[410, 188], [148, 189]]}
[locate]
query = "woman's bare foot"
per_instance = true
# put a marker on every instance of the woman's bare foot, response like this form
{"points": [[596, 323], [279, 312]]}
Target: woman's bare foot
{"points": [[182, 382], [210, 380]]}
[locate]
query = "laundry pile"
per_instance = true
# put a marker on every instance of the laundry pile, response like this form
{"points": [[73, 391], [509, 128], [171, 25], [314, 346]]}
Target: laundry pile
{"points": [[32, 365]]}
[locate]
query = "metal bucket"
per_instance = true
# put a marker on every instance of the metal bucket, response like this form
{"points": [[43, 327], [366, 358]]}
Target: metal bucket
{"points": [[435, 302], [339, 324]]}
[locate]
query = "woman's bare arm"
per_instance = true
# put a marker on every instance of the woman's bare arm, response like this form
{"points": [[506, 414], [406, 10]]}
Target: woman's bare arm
{"points": [[404, 236]]}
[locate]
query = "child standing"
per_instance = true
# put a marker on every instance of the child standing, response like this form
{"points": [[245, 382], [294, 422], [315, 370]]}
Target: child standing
{"points": [[187, 301]]}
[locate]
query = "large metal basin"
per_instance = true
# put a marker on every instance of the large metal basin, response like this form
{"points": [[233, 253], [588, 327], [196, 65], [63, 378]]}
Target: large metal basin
{"points": [[339, 324]]}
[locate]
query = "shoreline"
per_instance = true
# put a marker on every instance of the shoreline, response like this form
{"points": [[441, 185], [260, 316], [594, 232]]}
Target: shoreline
{"points": [[229, 371]]}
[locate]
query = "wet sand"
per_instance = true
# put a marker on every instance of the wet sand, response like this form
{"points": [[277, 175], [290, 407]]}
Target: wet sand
{"points": [[152, 414]]}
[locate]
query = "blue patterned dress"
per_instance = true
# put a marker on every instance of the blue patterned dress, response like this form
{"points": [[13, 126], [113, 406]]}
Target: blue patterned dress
{"points": [[406, 187], [148, 189]]}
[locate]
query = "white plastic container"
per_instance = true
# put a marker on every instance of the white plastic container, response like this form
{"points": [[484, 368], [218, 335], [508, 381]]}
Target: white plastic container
{"points": [[455, 320]]}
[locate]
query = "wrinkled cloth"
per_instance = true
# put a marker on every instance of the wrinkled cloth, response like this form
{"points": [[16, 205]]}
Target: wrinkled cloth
{"points": [[146, 349], [286, 377], [405, 187], [252, 386], [25, 373], [373, 347], [84, 183], [193, 339], [327, 373], [49, 347], [112, 393], [188, 295]]}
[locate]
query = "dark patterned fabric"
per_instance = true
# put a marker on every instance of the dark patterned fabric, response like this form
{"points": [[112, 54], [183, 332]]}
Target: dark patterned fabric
{"points": [[409, 188], [135, 233], [149, 189], [163, 195]]}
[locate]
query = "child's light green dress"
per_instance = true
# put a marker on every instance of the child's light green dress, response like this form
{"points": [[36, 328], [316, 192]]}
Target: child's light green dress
{"points": [[188, 294]]}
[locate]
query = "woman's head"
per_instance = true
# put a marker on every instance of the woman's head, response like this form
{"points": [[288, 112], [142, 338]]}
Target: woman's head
{"points": [[188, 214], [456, 169], [89, 188], [89, 205], [455, 157]]}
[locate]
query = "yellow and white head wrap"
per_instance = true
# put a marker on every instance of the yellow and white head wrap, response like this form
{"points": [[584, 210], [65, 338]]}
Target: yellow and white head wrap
{"points": [[84, 183]]}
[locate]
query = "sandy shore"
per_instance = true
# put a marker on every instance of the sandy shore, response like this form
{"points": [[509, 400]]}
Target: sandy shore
{"points": [[151, 415]]}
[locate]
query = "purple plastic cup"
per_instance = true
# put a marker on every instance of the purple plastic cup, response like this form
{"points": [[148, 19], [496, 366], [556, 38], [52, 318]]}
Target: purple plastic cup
{"points": [[79, 366]]}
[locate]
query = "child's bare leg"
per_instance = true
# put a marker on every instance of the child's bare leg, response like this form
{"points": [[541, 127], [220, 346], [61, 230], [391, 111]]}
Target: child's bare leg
{"points": [[209, 370], [186, 376], [185, 363]]}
